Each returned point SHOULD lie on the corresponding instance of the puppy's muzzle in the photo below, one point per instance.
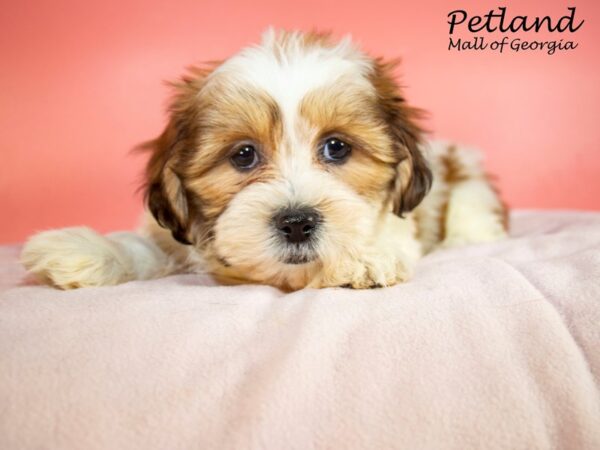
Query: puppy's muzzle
(297, 226)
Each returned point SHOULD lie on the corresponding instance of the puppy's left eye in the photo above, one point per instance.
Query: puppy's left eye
(335, 150)
(245, 157)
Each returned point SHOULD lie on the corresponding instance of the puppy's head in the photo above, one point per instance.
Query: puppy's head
(284, 157)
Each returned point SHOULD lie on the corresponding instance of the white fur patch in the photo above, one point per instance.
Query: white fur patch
(80, 257)
(287, 73)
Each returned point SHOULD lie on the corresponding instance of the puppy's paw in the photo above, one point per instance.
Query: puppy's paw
(367, 272)
(379, 272)
(76, 257)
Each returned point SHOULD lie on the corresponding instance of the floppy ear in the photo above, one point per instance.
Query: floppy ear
(413, 177)
(165, 193)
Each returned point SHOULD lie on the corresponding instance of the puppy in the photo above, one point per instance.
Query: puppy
(295, 163)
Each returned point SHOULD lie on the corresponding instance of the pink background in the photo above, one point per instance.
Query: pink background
(81, 84)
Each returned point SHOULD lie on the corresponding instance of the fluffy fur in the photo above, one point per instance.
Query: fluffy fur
(284, 97)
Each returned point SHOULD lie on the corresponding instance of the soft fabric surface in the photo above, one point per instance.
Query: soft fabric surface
(490, 346)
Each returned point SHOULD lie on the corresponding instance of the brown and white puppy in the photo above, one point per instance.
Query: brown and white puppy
(295, 163)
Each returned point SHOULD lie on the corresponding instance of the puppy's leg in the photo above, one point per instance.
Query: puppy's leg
(79, 257)
(474, 211)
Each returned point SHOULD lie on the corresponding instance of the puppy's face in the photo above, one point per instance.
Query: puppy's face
(284, 158)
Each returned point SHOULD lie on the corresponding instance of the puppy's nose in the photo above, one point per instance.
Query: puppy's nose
(297, 225)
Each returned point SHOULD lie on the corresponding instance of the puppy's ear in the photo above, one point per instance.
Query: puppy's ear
(413, 177)
(166, 193)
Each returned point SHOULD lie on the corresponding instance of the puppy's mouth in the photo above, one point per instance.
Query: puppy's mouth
(298, 254)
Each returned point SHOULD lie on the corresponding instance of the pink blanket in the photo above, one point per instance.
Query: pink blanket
(491, 346)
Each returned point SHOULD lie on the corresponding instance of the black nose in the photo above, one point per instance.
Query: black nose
(297, 225)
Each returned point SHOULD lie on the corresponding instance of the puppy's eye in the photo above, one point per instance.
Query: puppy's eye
(335, 150)
(245, 158)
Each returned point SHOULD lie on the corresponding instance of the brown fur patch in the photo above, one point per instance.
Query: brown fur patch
(413, 179)
(318, 39)
(286, 39)
(441, 231)
(189, 177)
(165, 193)
(231, 114)
(346, 111)
(503, 210)
(454, 172)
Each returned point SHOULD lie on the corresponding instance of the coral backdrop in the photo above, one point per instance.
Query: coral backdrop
(81, 84)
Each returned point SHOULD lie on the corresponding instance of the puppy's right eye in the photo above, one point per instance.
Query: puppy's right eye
(335, 150)
(245, 157)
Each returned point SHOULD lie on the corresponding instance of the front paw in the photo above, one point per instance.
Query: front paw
(365, 273)
(75, 257)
